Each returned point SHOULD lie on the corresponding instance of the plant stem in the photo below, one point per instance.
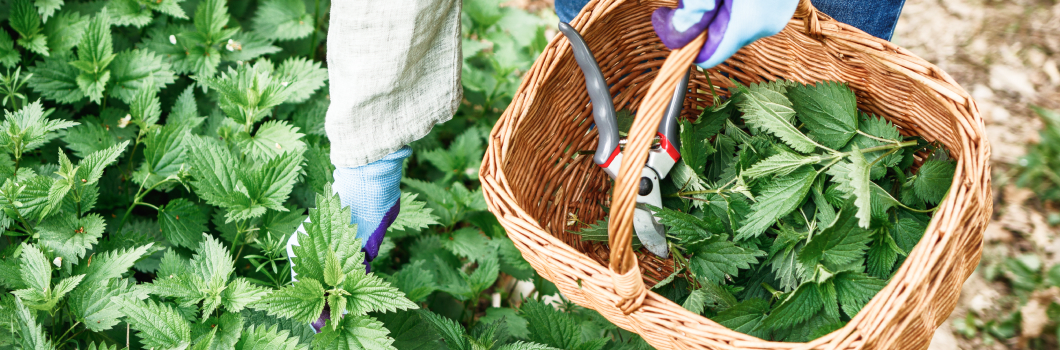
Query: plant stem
(61, 338)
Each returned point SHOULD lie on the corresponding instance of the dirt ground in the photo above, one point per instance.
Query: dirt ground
(1005, 53)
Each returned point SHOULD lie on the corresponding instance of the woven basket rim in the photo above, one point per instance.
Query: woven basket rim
(971, 184)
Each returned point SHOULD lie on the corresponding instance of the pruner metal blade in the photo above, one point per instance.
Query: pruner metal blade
(651, 233)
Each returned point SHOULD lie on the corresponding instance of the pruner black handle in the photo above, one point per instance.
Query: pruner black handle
(599, 94)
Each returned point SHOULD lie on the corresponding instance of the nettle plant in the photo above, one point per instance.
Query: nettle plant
(157, 155)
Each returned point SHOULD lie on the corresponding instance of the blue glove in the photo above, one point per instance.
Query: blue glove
(372, 193)
(730, 25)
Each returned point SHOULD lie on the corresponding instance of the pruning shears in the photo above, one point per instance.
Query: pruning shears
(664, 152)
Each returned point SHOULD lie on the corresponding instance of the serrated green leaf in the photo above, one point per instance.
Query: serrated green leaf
(69, 236)
(267, 338)
(302, 301)
(283, 20)
(129, 13)
(765, 107)
(415, 280)
(214, 171)
(135, 70)
(782, 195)
(688, 229)
(35, 270)
(554, 328)
(64, 31)
(90, 169)
(878, 128)
(37, 43)
(694, 148)
(91, 303)
(159, 325)
(56, 80)
(32, 334)
(933, 180)
(23, 18)
(852, 176)
(780, 164)
(354, 332)
(110, 264)
(47, 8)
(805, 302)
(745, 317)
(369, 293)
(9, 56)
(908, 231)
(839, 247)
(451, 332)
(829, 110)
(273, 138)
(855, 289)
(246, 46)
(303, 76)
(718, 258)
(218, 333)
(328, 228)
(183, 223)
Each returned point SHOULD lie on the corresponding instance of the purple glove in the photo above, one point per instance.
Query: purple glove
(730, 25)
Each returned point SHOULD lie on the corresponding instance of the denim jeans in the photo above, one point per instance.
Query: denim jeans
(876, 17)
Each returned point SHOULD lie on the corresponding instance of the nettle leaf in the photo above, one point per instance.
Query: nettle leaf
(410, 331)
(183, 223)
(95, 53)
(781, 195)
(37, 43)
(805, 302)
(269, 185)
(47, 7)
(262, 337)
(829, 110)
(69, 236)
(413, 216)
(9, 56)
(165, 154)
(273, 138)
(688, 229)
(214, 171)
(217, 333)
(855, 289)
(766, 108)
(694, 149)
(852, 177)
(328, 229)
(110, 264)
(90, 169)
(302, 301)
(718, 258)
(454, 335)
(24, 19)
(211, 17)
(248, 92)
(283, 20)
(745, 317)
(933, 180)
(91, 303)
(56, 80)
(780, 164)
(246, 46)
(136, 70)
(354, 332)
(878, 128)
(369, 293)
(415, 280)
(159, 325)
(555, 328)
(463, 156)
(302, 76)
(32, 336)
(129, 13)
(839, 247)
(64, 31)
(28, 128)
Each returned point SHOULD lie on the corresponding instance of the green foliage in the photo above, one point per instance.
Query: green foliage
(157, 156)
(790, 209)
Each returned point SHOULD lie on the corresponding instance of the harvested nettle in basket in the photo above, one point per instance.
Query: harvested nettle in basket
(790, 208)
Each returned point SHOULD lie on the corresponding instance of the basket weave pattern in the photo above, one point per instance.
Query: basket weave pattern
(534, 180)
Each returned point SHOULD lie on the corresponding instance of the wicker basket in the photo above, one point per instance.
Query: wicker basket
(534, 180)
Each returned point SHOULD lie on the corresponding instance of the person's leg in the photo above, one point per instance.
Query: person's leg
(876, 17)
(568, 9)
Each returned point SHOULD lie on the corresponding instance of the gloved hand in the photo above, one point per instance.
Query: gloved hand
(730, 25)
(371, 191)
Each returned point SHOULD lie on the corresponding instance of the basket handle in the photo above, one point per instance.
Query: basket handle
(626, 276)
